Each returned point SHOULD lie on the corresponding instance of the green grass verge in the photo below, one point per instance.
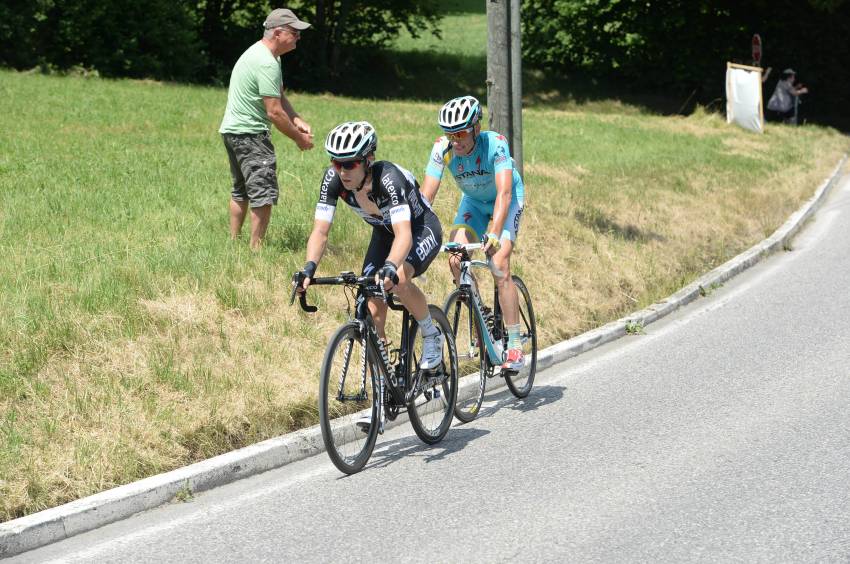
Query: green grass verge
(135, 337)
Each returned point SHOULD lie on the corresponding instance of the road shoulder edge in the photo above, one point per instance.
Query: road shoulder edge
(59, 523)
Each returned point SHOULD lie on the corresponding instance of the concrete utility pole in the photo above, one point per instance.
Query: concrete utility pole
(504, 73)
(516, 85)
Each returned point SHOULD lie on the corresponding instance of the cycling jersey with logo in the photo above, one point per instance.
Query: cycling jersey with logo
(395, 192)
(476, 173)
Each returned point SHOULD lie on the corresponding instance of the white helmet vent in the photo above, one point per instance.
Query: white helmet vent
(459, 113)
(351, 140)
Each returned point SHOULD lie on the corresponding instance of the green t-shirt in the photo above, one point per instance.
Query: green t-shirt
(256, 74)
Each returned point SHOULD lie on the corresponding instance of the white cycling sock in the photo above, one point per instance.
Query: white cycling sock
(514, 342)
(427, 326)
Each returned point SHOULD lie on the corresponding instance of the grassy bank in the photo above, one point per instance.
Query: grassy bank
(135, 337)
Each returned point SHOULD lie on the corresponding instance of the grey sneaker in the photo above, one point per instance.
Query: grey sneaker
(432, 351)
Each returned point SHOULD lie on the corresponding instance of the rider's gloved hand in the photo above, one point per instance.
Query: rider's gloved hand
(389, 270)
(491, 242)
(302, 278)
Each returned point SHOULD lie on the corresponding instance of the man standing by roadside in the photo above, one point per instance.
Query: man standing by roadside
(255, 100)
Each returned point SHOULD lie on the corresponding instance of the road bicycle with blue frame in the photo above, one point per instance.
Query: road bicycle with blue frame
(481, 336)
(363, 385)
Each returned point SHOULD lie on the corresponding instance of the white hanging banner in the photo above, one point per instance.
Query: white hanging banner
(743, 97)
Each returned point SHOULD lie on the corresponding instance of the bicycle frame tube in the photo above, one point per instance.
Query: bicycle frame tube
(374, 350)
(382, 359)
(467, 279)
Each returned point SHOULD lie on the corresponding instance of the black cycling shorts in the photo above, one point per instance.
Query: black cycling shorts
(427, 239)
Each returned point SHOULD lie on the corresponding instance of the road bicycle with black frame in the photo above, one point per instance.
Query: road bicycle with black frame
(363, 385)
(481, 336)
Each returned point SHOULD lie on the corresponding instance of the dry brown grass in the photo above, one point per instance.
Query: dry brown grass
(202, 378)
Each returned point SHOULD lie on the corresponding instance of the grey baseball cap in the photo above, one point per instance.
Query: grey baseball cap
(283, 17)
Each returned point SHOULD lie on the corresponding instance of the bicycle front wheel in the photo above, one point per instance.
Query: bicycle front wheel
(520, 382)
(432, 406)
(471, 355)
(348, 402)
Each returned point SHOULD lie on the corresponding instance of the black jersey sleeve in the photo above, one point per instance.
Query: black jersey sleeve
(328, 195)
(395, 191)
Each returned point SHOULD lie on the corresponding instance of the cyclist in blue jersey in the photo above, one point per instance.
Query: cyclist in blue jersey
(406, 234)
(492, 199)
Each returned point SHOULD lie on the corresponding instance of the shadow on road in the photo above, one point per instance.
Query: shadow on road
(456, 439)
(460, 435)
(539, 397)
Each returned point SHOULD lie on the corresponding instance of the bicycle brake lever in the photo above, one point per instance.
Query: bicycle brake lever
(383, 291)
(292, 295)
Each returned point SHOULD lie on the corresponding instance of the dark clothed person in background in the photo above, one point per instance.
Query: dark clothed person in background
(782, 102)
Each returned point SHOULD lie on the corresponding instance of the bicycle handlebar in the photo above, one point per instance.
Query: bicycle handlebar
(365, 283)
(463, 249)
(456, 247)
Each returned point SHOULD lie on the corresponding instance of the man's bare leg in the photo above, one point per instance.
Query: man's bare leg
(259, 223)
(238, 211)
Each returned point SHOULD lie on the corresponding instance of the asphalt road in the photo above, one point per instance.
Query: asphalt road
(722, 433)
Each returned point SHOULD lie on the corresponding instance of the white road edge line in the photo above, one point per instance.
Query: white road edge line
(59, 523)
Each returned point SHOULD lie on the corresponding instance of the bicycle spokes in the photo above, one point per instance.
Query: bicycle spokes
(347, 400)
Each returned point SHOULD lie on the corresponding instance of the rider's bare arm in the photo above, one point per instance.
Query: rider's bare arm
(316, 244)
(318, 240)
(430, 187)
(402, 243)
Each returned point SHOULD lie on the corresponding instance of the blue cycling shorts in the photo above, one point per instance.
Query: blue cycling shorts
(477, 215)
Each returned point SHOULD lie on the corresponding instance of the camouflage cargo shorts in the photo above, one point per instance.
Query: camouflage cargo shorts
(253, 167)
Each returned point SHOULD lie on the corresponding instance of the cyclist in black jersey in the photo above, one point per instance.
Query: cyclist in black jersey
(406, 234)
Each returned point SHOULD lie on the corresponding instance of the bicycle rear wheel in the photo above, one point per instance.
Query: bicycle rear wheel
(520, 382)
(471, 355)
(432, 406)
(348, 396)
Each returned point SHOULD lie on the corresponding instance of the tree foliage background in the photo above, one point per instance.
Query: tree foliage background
(678, 47)
(682, 46)
(199, 41)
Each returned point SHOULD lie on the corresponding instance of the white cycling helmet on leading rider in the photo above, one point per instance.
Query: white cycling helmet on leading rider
(351, 140)
(459, 113)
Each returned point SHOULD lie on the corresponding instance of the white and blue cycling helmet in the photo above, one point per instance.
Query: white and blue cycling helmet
(351, 140)
(459, 113)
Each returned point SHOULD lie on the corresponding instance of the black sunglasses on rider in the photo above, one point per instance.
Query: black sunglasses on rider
(347, 165)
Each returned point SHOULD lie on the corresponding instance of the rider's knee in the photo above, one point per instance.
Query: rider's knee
(404, 280)
(503, 265)
(403, 286)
